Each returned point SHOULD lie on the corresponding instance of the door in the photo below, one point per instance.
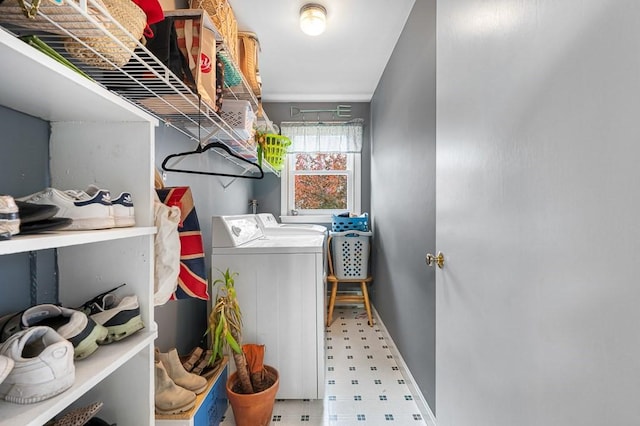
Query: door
(538, 212)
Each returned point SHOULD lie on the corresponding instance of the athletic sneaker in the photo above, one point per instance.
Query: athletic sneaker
(121, 317)
(43, 365)
(83, 332)
(123, 211)
(86, 211)
(6, 365)
(9, 216)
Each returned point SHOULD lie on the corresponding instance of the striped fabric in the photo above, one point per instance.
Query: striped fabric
(192, 280)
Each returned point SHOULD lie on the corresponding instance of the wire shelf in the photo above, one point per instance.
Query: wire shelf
(86, 35)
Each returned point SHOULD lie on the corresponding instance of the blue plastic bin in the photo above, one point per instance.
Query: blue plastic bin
(341, 224)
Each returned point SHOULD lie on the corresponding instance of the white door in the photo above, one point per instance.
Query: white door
(538, 212)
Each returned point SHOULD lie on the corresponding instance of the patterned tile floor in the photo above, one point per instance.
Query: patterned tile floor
(364, 385)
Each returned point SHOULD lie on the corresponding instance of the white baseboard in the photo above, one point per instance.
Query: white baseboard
(422, 404)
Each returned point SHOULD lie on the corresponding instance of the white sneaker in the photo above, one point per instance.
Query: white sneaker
(9, 216)
(43, 366)
(6, 365)
(123, 211)
(85, 211)
(83, 332)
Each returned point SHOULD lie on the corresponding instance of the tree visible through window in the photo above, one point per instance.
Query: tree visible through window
(316, 189)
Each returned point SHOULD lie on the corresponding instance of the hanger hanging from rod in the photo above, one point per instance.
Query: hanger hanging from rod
(200, 149)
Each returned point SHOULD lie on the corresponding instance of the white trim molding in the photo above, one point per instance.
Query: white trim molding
(422, 404)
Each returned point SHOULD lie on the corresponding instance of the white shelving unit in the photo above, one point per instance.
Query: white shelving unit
(95, 137)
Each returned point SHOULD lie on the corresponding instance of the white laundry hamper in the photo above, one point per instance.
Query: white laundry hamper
(350, 252)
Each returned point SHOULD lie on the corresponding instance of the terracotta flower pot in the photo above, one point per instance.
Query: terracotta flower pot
(253, 409)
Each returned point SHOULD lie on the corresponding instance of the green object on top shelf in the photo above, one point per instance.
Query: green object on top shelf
(232, 76)
(43, 47)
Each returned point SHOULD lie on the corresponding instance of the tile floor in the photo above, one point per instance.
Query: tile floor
(364, 385)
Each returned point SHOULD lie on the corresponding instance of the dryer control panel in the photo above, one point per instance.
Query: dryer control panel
(235, 230)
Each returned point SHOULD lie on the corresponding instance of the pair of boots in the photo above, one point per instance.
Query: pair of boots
(175, 388)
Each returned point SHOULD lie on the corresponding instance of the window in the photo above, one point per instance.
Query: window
(322, 173)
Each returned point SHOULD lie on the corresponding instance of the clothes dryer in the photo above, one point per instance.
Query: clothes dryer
(281, 291)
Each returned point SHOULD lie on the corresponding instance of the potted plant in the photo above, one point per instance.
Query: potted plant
(252, 388)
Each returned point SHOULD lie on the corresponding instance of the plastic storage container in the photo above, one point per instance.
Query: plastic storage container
(240, 116)
(340, 224)
(350, 253)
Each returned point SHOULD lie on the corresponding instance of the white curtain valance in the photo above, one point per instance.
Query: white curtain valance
(324, 137)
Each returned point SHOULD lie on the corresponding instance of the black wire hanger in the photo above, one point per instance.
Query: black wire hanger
(200, 149)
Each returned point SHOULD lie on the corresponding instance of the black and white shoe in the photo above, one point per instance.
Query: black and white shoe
(121, 316)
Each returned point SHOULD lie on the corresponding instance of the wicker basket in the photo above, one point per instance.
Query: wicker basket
(85, 40)
(225, 21)
(248, 48)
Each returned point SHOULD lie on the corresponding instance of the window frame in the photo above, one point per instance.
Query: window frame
(287, 194)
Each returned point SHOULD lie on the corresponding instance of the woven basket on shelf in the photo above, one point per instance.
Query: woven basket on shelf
(248, 48)
(223, 18)
(85, 40)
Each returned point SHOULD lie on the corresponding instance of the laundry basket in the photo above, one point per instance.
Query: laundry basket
(350, 254)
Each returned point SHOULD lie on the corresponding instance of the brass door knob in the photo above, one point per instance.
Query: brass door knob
(438, 259)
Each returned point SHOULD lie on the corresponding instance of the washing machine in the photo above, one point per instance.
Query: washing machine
(270, 226)
(281, 289)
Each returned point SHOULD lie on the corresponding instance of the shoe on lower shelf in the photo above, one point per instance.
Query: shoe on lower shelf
(86, 211)
(121, 316)
(191, 359)
(171, 362)
(83, 332)
(169, 397)
(78, 416)
(43, 365)
(6, 365)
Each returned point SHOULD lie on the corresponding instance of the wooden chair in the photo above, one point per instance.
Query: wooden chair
(363, 297)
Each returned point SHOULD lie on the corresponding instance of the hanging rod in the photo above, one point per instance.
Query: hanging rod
(343, 111)
(320, 123)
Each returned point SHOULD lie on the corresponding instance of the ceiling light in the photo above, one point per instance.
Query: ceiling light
(313, 19)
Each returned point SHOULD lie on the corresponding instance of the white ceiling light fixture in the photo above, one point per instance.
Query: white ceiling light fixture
(313, 19)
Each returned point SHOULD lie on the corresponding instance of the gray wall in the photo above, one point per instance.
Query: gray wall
(267, 191)
(403, 195)
(24, 169)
